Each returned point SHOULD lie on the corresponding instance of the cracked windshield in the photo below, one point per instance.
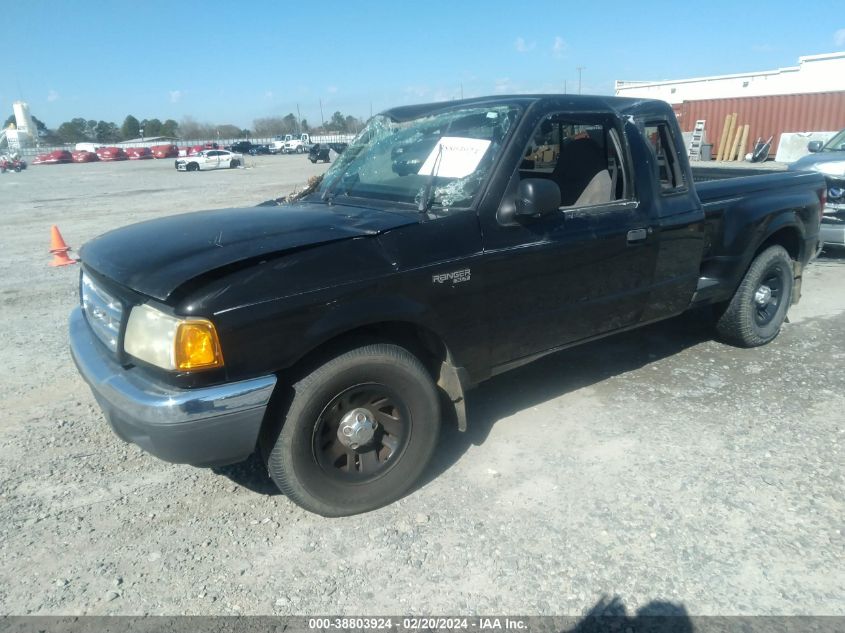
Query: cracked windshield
(439, 160)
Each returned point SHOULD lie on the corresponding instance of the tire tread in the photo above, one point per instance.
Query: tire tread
(735, 324)
(279, 462)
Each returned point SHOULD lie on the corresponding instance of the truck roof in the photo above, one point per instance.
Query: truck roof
(584, 103)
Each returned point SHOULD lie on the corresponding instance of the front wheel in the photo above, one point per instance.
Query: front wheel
(758, 308)
(299, 150)
(359, 432)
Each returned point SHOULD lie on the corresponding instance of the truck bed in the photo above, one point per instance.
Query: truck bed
(736, 204)
(713, 184)
(702, 173)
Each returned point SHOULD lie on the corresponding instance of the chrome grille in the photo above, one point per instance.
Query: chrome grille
(103, 312)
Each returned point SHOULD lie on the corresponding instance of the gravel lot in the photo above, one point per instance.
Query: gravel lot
(654, 465)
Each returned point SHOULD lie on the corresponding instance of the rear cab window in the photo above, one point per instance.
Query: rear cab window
(670, 175)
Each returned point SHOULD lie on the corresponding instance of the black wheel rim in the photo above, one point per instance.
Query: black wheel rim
(768, 297)
(371, 460)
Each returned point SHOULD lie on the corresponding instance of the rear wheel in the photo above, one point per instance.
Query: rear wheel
(234, 163)
(193, 167)
(758, 308)
(299, 150)
(359, 432)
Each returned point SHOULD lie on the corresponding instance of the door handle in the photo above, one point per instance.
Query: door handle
(637, 235)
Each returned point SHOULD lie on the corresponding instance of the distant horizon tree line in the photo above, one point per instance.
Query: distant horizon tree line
(80, 130)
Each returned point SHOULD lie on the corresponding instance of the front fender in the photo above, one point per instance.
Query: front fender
(358, 312)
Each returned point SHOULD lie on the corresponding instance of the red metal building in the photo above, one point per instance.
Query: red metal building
(766, 116)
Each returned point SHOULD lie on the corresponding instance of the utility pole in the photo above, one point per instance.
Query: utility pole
(322, 120)
(462, 90)
(298, 119)
(580, 68)
(564, 86)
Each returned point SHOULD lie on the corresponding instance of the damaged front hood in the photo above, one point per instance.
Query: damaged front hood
(157, 256)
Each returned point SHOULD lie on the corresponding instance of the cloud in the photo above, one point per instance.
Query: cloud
(417, 91)
(268, 94)
(559, 46)
(522, 46)
(839, 37)
(176, 96)
(331, 89)
(432, 93)
(52, 96)
(503, 85)
(445, 94)
(762, 48)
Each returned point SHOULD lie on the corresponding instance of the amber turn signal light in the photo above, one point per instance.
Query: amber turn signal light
(197, 346)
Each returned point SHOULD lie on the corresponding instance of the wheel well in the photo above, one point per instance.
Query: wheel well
(420, 341)
(787, 237)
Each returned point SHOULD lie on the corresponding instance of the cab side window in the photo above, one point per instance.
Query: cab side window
(669, 172)
(584, 158)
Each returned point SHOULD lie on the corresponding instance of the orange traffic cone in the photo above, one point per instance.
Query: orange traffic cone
(59, 249)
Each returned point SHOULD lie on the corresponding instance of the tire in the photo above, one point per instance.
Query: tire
(758, 308)
(310, 464)
(234, 163)
(192, 167)
(299, 150)
(313, 161)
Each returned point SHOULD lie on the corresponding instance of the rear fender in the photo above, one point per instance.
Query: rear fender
(747, 227)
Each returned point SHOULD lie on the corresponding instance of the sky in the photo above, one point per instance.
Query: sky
(234, 62)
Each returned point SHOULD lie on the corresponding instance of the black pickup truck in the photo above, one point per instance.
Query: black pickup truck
(448, 243)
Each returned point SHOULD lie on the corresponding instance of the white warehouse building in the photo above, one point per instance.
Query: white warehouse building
(814, 73)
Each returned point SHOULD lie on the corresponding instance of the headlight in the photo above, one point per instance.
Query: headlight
(833, 168)
(170, 342)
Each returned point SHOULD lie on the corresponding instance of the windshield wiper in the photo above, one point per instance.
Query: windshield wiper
(435, 167)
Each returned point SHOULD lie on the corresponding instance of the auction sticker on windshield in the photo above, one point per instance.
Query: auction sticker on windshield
(454, 157)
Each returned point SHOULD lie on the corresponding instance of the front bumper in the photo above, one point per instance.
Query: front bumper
(208, 426)
(833, 234)
(832, 229)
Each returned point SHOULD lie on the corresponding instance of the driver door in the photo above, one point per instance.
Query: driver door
(583, 270)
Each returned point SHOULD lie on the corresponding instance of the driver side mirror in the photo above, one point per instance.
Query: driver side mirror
(814, 146)
(537, 197)
(534, 198)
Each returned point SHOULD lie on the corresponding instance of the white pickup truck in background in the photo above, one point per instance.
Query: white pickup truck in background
(293, 144)
(290, 144)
